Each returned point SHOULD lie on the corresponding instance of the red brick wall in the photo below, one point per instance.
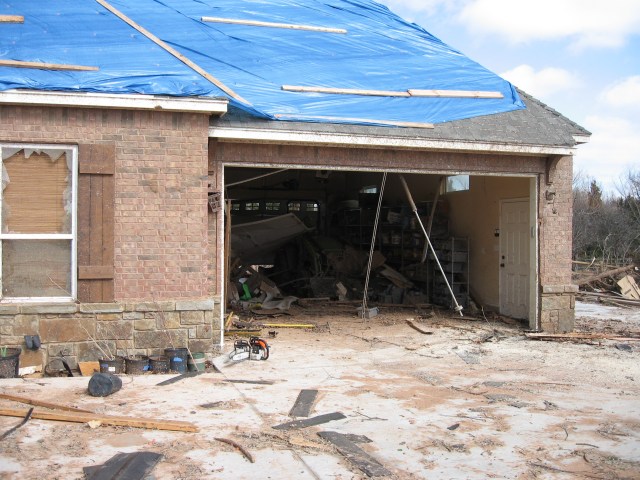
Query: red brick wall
(161, 235)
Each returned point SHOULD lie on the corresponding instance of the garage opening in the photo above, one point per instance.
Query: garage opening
(301, 235)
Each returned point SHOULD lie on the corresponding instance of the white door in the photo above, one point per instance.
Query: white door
(514, 258)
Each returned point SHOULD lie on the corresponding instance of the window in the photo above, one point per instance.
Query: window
(456, 183)
(312, 207)
(294, 207)
(38, 222)
(272, 206)
(252, 206)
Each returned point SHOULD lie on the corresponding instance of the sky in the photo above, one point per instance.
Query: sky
(580, 57)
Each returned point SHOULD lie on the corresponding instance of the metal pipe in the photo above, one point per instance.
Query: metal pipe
(457, 308)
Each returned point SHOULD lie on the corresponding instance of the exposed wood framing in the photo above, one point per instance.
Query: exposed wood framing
(46, 66)
(394, 93)
(173, 52)
(285, 116)
(256, 23)
(11, 19)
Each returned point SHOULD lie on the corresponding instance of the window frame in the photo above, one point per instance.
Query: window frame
(446, 184)
(72, 236)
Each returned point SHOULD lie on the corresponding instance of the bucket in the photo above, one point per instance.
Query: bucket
(137, 364)
(104, 384)
(112, 366)
(196, 364)
(177, 359)
(159, 364)
(9, 362)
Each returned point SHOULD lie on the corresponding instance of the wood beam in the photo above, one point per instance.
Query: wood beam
(255, 23)
(11, 19)
(173, 52)
(46, 66)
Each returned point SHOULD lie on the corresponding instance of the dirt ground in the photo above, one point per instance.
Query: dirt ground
(473, 398)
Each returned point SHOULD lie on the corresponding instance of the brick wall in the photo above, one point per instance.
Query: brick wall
(161, 245)
(162, 261)
(557, 295)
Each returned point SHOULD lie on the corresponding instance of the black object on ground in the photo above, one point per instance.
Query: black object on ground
(124, 466)
(357, 456)
(13, 429)
(104, 384)
(177, 378)
(304, 403)
(310, 422)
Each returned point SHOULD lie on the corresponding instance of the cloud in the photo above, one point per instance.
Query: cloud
(541, 83)
(586, 22)
(624, 94)
(613, 150)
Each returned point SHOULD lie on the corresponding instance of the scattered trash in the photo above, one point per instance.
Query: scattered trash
(304, 403)
(310, 422)
(361, 459)
(124, 466)
(453, 427)
(13, 429)
(244, 451)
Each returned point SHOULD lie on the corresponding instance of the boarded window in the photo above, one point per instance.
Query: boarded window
(37, 235)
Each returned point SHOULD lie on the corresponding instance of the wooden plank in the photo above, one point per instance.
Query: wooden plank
(454, 93)
(81, 417)
(310, 422)
(47, 66)
(345, 91)
(172, 51)
(256, 23)
(11, 19)
(304, 403)
(629, 288)
(108, 231)
(579, 336)
(285, 116)
(97, 158)
(41, 403)
(95, 237)
(418, 329)
(84, 231)
(361, 459)
(95, 272)
(608, 273)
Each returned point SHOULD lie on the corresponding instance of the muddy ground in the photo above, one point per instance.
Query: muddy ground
(473, 398)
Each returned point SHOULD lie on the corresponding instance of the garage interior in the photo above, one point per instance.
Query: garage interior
(307, 234)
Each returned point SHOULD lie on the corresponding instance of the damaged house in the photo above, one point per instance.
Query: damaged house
(165, 162)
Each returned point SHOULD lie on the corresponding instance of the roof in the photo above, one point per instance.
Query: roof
(240, 49)
(538, 129)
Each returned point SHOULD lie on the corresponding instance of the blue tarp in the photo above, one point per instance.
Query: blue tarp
(380, 51)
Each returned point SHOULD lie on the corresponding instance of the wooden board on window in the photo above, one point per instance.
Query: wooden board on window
(96, 191)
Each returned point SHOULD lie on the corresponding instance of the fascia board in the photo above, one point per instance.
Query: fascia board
(211, 106)
(389, 142)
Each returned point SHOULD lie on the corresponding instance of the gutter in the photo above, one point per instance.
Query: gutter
(264, 135)
(212, 106)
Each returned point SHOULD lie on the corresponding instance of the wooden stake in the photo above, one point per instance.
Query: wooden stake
(46, 66)
(11, 19)
(41, 403)
(172, 51)
(455, 93)
(255, 23)
(344, 91)
(79, 417)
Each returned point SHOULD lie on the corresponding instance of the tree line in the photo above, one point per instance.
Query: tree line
(606, 227)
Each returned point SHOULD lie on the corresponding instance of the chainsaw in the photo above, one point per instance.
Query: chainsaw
(255, 349)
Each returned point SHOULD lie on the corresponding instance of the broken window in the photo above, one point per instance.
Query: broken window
(37, 222)
(456, 183)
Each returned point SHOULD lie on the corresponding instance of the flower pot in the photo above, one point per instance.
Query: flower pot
(196, 362)
(115, 365)
(159, 364)
(136, 364)
(10, 363)
(177, 359)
